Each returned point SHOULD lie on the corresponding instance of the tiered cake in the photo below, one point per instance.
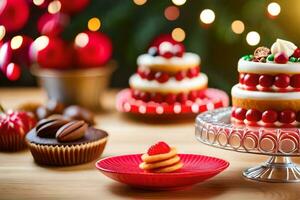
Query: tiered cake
(168, 74)
(268, 92)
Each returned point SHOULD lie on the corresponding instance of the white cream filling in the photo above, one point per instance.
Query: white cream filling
(186, 59)
(172, 84)
(268, 68)
(237, 92)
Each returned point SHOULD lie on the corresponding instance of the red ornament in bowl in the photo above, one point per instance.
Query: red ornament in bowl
(93, 49)
(52, 24)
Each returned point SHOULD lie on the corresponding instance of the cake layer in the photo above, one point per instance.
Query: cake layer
(174, 64)
(171, 86)
(272, 68)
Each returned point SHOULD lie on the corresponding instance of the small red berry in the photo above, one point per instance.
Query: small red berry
(253, 115)
(241, 78)
(182, 97)
(193, 95)
(136, 94)
(171, 98)
(251, 80)
(157, 97)
(297, 53)
(295, 81)
(266, 80)
(167, 54)
(240, 113)
(192, 72)
(281, 58)
(282, 81)
(150, 75)
(159, 148)
(287, 116)
(269, 116)
(141, 74)
(161, 77)
(180, 75)
(145, 96)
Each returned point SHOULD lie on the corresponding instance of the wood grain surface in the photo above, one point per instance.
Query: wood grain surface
(21, 178)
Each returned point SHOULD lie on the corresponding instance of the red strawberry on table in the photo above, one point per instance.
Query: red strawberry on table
(159, 148)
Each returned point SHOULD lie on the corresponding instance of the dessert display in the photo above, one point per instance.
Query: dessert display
(13, 129)
(169, 81)
(161, 158)
(63, 142)
(268, 92)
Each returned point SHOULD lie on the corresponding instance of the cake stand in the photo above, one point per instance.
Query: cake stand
(214, 128)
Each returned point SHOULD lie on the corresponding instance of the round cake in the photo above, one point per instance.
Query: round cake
(168, 74)
(268, 92)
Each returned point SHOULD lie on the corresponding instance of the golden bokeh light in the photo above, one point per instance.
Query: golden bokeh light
(171, 13)
(253, 38)
(38, 2)
(54, 7)
(139, 2)
(207, 16)
(238, 27)
(16, 42)
(41, 42)
(179, 2)
(94, 24)
(2, 32)
(81, 40)
(274, 9)
(178, 34)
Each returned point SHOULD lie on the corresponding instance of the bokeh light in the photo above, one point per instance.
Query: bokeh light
(139, 2)
(2, 32)
(238, 27)
(207, 16)
(16, 42)
(40, 43)
(81, 40)
(38, 2)
(179, 2)
(54, 7)
(253, 38)
(178, 34)
(171, 13)
(274, 9)
(94, 24)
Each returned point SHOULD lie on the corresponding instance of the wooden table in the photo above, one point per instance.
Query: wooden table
(21, 178)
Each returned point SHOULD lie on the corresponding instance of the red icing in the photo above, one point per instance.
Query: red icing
(159, 148)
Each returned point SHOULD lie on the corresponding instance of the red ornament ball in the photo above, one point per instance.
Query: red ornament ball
(281, 58)
(52, 24)
(251, 80)
(240, 113)
(13, 14)
(13, 71)
(73, 6)
(266, 80)
(282, 81)
(253, 115)
(93, 49)
(51, 53)
(287, 116)
(269, 116)
(295, 81)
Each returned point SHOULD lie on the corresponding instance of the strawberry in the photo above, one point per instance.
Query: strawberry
(159, 148)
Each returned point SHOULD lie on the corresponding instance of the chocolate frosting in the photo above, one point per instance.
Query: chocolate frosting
(91, 135)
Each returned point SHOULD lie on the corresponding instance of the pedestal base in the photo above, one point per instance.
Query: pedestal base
(278, 169)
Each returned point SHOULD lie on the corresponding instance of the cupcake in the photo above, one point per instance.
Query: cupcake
(161, 158)
(13, 128)
(63, 142)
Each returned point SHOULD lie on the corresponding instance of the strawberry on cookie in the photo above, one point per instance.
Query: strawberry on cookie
(161, 158)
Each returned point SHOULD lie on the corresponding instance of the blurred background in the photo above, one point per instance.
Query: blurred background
(220, 31)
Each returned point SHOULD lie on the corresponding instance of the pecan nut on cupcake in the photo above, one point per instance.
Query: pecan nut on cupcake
(161, 158)
(64, 142)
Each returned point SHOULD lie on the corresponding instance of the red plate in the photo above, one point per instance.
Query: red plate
(213, 99)
(125, 169)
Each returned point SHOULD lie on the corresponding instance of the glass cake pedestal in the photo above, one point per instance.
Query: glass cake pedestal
(214, 128)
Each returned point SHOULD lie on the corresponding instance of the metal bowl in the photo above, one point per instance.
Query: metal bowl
(79, 86)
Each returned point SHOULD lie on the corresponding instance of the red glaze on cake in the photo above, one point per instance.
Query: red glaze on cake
(268, 92)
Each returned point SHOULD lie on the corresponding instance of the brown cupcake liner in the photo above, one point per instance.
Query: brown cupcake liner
(67, 154)
(12, 142)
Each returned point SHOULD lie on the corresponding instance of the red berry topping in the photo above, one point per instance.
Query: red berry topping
(171, 98)
(159, 148)
(182, 97)
(297, 53)
(269, 116)
(240, 113)
(282, 81)
(141, 74)
(281, 58)
(253, 115)
(136, 94)
(144, 96)
(150, 75)
(251, 80)
(157, 97)
(241, 78)
(266, 80)
(180, 75)
(193, 72)
(167, 54)
(287, 116)
(295, 81)
(193, 95)
(161, 77)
